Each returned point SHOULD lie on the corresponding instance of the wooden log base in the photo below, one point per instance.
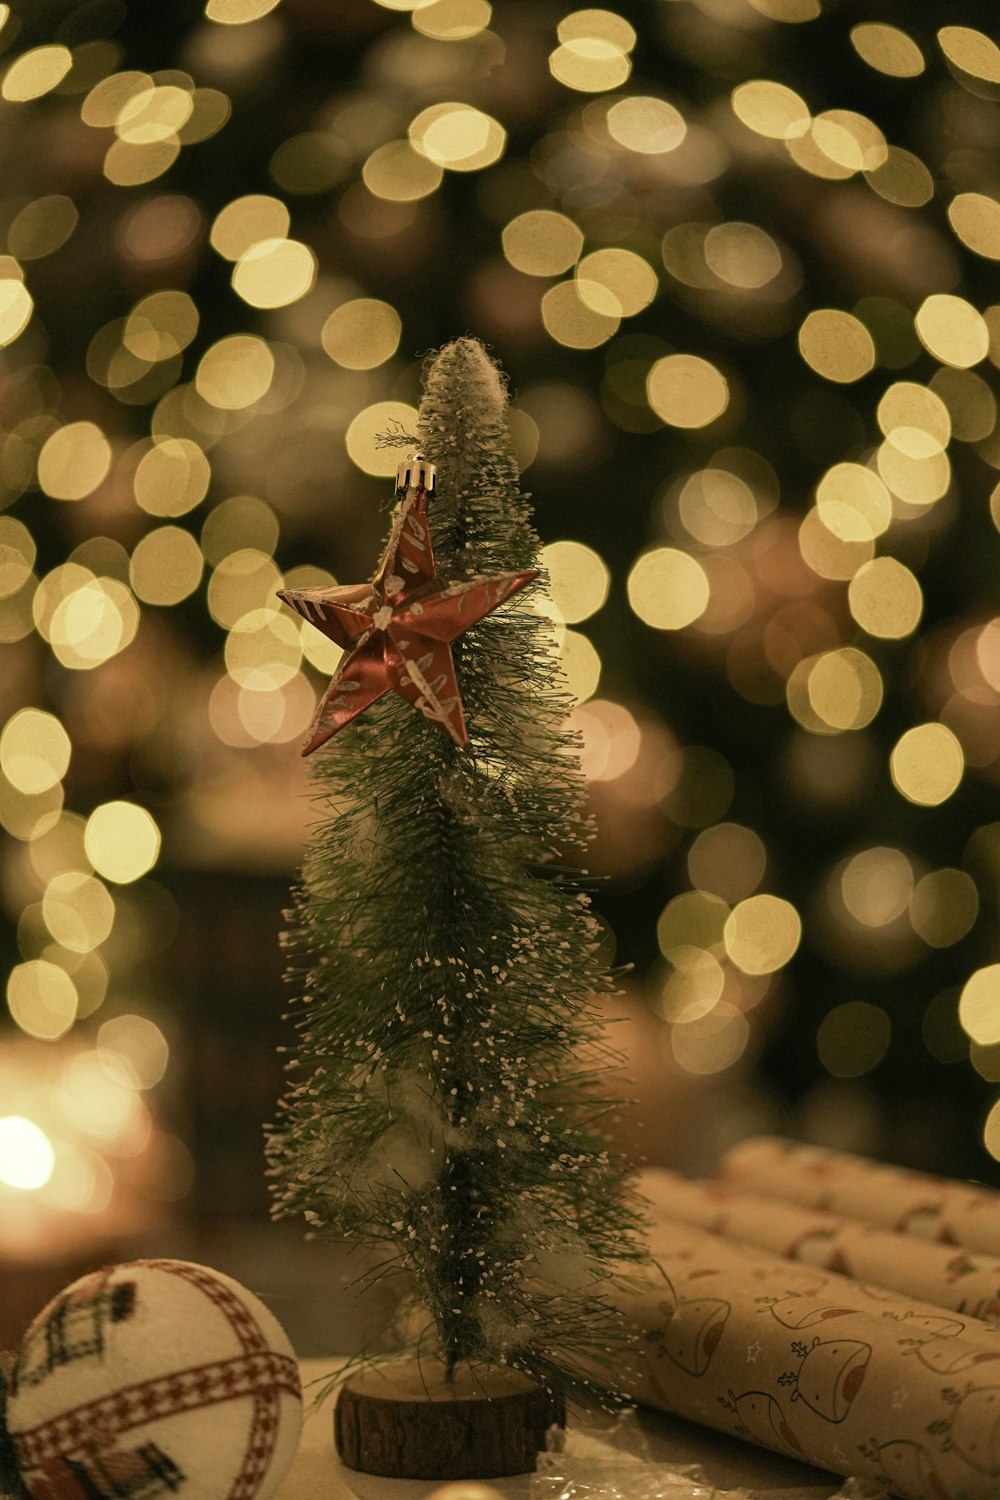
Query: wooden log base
(405, 1421)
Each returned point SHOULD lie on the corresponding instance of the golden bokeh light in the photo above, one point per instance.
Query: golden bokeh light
(139, 1044)
(712, 1042)
(971, 51)
(78, 911)
(914, 419)
(717, 507)
(611, 739)
(835, 691)
(927, 764)
(160, 326)
(399, 173)
(34, 751)
(771, 109)
(542, 242)
(92, 623)
(836, 345)
(275, 272)
(452, 20)
(35, 73)
(458, 137)
(42, 999)
(645, 124)
(728, 860)
(263, 650)
(887, 49)
(590, 64)
(944, 907)
(581, 664)
(42, 226)
(364, 429)
(902, 179)
(742, 255)
(122, 841)
(579, 323)
(362, 334)
(153, 115)
(27, 1157)
(127, 164)
(853, 503)
(243, 581)
(246, 521)
(971, 404)
(849, 140)
(166, 566)
(876, 885)
(693, 986)
(694, 920)
(74, 461)
(886, 599)
(952, 330)
(918, 481)
(826, 552)
(668, 589)
(16, 307)
(685, 390)
(578, 579)
(233, 374)
(853, 1038)
(979, 1006)
(238, 12)
(991, 1131)
(246, 221)
(975, 218)
(762, 933)
(629, 280)
(172, 477)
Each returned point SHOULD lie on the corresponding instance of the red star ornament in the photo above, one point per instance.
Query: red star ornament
(397, 630)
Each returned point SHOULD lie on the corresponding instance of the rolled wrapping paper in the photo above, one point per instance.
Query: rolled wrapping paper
(742, 1342)
(948, 1277)
(911, 1203)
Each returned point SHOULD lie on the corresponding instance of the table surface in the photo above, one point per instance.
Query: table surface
(317, 1473)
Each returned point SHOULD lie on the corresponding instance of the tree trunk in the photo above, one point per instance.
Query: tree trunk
(404, 1420)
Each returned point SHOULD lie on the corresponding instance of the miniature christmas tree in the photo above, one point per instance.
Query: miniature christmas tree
(448, 1102)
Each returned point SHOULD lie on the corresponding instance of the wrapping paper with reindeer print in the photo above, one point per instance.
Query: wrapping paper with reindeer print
(946, 1275)
(907, 1203)
(817, 1367)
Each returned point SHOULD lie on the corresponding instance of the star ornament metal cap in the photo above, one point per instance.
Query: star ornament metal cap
(397, 630)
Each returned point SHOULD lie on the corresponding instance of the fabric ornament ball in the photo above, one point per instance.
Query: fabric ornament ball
(150, 1379)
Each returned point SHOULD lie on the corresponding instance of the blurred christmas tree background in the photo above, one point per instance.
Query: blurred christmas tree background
(738, 257)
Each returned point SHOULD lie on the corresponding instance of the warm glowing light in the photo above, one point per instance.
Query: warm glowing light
(458, 137)
(944, 907)
(979, 1006)
(886, 599)
(238, 12)
(630, 280)
(263, 650)
(971, 51)
(139, 1044)
(991, 1131)
(399, 173)
(914, 419)
(234, 373)
(648, 125)
(35, 73)
(902, 178)
(74, 461)
(717, 507)
(42, 999)
(771, 109)
(452, 20)
(26, 1154)
(952, 330)
(590, 64)
(166, 566)
(172, 477)
(853, 503)
(927, 764)
(78, 911)
(360, 438)
(853, 1038)
(42, 226)
(668, 589)
(611, 739)
(34, 751)
(581, 664)
(712, 1042)
(122, 841)
(742, 255)
(918, 481)
(274, 273)
(362, 334)
(578, 579)
(826, 551)
(975, 218)
(154, 115)
(542, 243)
(836, 345)
(692, 920)
(246, 222)
(835, 691)
(243, 581)
(580, 323)
(92, 623)
(876, 885)
(160, 326)
(762, 933)
(887, 49)
(244, 521)
(728, 860)
(685, 390)
(16, 308)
